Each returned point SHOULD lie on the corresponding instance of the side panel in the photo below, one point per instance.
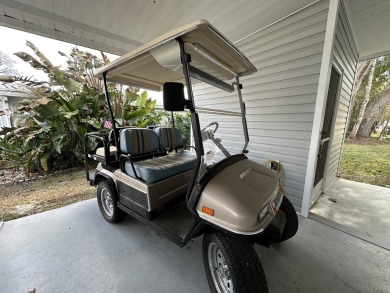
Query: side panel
(346, 55)
(131, 197)
(154, 196)
(280, 98)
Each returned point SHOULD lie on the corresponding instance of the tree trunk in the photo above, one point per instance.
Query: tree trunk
(365, 102)
(384, 130)
(373, 112)
(361, 71)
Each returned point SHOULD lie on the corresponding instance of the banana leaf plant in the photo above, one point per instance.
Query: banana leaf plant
(50, 130)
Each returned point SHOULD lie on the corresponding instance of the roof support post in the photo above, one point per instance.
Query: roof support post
(118, 152)
(243, 114)
(185, 60)
(195, 125)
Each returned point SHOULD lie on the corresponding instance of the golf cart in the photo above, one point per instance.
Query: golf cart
(209, 189)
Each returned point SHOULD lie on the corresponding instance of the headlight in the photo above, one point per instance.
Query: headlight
(272, 207)
(275, 203)
(263, 212)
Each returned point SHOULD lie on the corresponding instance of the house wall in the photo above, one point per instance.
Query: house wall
(345, 53)
(9, 103)
(280, 98)
(4, 119)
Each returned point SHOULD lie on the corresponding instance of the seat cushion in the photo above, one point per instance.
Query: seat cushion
(156, 169)
(100, 151)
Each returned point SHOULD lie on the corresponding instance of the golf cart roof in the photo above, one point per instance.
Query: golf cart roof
(158, 61)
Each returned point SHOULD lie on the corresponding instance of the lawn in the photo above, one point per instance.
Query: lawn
(46, 193)
(367, 161)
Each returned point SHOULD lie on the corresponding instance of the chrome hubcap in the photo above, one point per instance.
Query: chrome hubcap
(219, 270)
(107, 203)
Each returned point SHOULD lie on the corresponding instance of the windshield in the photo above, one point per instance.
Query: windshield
(220, 123)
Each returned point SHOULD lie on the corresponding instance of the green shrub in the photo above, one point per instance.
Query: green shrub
(52, 125)
(183, 122)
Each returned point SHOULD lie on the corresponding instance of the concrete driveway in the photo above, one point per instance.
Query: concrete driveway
(356, 208)
(72, 249)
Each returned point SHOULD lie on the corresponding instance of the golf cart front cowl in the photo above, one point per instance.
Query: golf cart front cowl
(237, 195)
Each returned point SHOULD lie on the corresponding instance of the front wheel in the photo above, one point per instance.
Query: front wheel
(232, 265)
(108, 204)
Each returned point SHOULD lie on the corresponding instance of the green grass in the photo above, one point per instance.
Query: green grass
(366, 161)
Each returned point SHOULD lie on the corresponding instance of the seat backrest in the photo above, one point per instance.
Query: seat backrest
(118, 130)
(169, 137)
(136, 141)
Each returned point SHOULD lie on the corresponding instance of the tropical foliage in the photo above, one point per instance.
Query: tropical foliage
(50, 130)
(183, 122)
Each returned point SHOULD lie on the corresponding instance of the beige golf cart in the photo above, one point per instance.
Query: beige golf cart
(210, 188)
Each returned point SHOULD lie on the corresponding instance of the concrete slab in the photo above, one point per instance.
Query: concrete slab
(72, 249)
(360, 209)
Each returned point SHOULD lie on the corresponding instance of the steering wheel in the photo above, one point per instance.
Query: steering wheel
(209, 130)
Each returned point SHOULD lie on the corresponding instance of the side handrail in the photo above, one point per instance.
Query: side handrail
(122, 159)
(103, 138)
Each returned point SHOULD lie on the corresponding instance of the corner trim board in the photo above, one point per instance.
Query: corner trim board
(326, 66)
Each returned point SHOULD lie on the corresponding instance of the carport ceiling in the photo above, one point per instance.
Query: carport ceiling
(370, 22)
(117, 26)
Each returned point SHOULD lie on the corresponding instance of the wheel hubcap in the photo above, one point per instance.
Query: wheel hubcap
(219, 270)
(107, 202)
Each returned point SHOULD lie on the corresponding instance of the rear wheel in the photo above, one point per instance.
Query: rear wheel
(232, 265)
(291, 226)
(108, 204)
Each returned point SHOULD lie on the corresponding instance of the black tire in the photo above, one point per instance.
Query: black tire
(291, 226)
(236, 260)
(109, 207)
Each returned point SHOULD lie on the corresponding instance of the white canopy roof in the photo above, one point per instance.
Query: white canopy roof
(158, 61)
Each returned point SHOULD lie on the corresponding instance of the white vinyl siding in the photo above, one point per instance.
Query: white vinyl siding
(10, 102)
(280, 98)
(4, 119)
(346, 54)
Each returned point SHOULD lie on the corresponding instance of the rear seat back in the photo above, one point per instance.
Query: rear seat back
(136, 141)
(118, 130)
(169, 137)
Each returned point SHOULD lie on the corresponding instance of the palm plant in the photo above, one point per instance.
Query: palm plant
(51, 130)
